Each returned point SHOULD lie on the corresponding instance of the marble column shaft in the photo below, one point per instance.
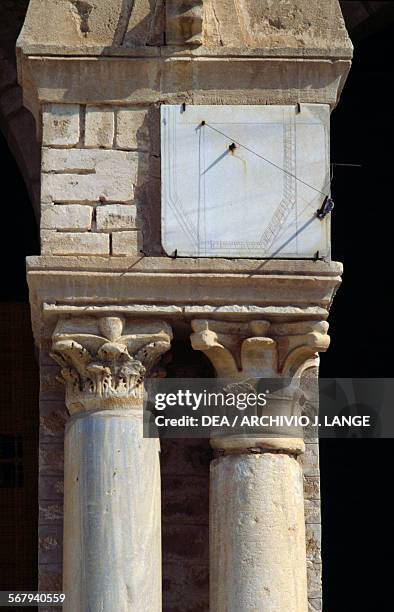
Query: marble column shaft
(257, 523)
(112, 507)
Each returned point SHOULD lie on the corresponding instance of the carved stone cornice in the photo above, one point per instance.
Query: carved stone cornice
(104, 360)
(179, 289)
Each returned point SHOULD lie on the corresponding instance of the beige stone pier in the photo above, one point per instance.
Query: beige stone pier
(106, 293)
(112, 527)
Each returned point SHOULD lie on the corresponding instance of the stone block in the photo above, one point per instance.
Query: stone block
(67, 217)
(185, 500)
(50, 512)
(99, 127)
(186, 581)
(53, 418)
(51, 458)
(132, 130)
(174, 542)
(315, 605)
(126, 243)
(61, 125)
(50, 386)
(312, 511)
(314, 574)
(90, 175)
(50, 578)
(50, 488)
(312, 487)
(50, 540)
(116, 217)
(313, 542)
(61, 243)
(310, 460)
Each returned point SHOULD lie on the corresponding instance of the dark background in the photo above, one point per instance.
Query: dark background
(357, 517)
(357, 513)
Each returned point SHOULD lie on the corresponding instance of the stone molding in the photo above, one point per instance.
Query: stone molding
(178, 290)
(104, 360)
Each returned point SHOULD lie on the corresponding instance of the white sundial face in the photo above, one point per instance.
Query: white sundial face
(245, 181)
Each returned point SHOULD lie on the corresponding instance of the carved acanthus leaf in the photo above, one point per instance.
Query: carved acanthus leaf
(109, 368)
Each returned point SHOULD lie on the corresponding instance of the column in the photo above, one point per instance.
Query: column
(257, 524)
(112, 516)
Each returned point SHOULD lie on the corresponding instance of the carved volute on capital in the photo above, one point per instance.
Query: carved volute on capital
(245, 353)
(260, 349)
(104, 360)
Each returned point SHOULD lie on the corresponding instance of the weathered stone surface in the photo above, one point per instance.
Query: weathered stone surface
(312, 487)
(60, 125)
(184, 22)
(126, 243)
(90, 175)
(99, 127)
(185, 500)
(183, 282)
(312, 511)
(50, 578)
(315, 605)
(114, 25)
(104, 360)
(257, 515)
(50, 488)
(66, 217)
(313, 542)
(310, 460)
(112, 473)
(242, 352)
(132, 129)
(318, 271)
(314, 573)
(53, 417)
(51, 459)
(64, 243)
(51, 513)
(197, 80)
(112, 480)
(114, 217)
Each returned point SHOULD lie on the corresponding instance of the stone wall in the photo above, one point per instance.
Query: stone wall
(100, 173)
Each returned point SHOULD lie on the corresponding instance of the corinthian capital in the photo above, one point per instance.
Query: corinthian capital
(104, 360)
(259, 349)
(246, 352)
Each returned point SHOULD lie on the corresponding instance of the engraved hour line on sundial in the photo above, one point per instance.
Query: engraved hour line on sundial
(173, 199)
(289, 199)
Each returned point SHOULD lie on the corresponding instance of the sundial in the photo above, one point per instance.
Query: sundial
(245, 181)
